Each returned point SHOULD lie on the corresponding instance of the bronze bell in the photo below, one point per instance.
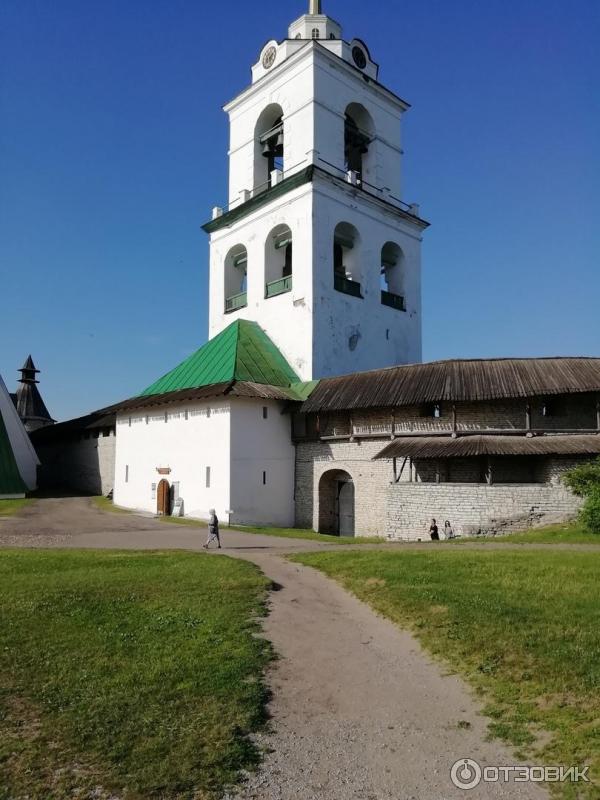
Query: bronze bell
(267, 150)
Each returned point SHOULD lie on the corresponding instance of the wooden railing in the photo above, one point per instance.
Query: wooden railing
(279, 286)
(235, 302)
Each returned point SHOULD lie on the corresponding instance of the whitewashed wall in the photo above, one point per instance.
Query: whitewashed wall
(383, 336)
(232, 438)
(287, 318)
(186, 446)
(261, 446)
(314, 87)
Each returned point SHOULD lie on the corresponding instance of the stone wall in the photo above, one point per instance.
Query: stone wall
(371, 480)
(526, 490)
(85, 465)
(474, 508)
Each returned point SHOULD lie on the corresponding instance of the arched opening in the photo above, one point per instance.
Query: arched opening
(278, 261)
(336, 503)
(236, 278)
(392, 276)
(359, 132)
(163, 499)
(346, 259)
(315, 33)
(268, 147)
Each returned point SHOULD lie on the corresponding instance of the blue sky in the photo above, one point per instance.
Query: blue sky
(113, 151)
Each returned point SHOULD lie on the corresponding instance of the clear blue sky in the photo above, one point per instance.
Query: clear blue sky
(113, 151)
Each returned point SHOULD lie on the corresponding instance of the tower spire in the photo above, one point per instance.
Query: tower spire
(314, 7)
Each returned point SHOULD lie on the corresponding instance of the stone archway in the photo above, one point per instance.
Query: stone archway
(336, 503)
(163, 498)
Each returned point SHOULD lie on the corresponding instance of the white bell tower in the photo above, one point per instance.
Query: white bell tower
(316, 244)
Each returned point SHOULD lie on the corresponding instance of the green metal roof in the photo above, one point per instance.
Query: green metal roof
(11, 481)
(242, 352)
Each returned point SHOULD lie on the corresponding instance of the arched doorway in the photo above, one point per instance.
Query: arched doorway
(336, 503)
(163, 499)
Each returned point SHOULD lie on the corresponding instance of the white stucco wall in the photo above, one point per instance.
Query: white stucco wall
(287, 318)
(261, 446)
(232, 438)
(384, 336)
(314, 88)
(186, 446)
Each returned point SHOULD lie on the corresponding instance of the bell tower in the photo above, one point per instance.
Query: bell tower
(316, 243)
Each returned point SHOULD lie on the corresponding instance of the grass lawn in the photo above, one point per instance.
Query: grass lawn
(10, 507)
(104, 504)
(139, 673)
(284, 533)
(522, 626)
(572, 533)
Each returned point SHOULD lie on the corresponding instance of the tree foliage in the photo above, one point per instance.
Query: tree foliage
(584, 481)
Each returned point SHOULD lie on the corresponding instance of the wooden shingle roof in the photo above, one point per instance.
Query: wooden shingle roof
(455, 381)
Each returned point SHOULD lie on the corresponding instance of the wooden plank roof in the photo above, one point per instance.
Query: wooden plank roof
(490, 445)
(455, 380)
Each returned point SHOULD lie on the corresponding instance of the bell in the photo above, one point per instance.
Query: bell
(267, 151)
(279, 141)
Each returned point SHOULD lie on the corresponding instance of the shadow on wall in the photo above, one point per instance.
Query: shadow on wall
(81, 466)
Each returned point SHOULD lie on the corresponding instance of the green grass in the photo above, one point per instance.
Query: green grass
(139, 673)
(10, 507)
(522, 626)
(572, 533)
(283, 533)
(104, 504)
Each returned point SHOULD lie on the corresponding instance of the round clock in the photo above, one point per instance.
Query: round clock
(359, 57)
(269, 57)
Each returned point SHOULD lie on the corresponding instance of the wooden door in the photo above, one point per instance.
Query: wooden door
(346, 508)
(163, 498)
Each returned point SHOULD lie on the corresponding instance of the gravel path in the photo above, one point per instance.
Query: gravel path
(358, 710)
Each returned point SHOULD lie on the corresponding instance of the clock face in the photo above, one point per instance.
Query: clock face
(269, 58)
(359, 57)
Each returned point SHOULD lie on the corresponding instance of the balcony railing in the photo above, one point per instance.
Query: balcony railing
(235, 302)
(342, 284)
(393, 300)
(279, 286)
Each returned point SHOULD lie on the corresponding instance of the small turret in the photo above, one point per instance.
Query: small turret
(28, 400)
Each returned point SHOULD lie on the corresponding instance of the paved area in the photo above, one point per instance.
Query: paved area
(358, 709)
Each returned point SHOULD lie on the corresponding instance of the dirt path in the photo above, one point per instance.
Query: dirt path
(358, 710)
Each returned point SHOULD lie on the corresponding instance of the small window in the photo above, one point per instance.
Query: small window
(208, 477)
(265, 412)
(154, 491)
(130, 422)
(264, 478)
(432, 410)
(315, 33)
(126, 473)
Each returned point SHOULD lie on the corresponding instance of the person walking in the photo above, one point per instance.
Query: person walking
(213, 530)
(448, 530)
(433, 531)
